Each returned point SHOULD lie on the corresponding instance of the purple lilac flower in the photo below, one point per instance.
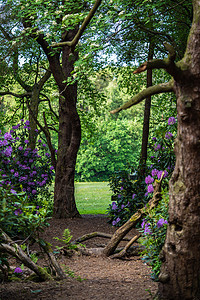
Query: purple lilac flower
(18, 212)
(149, 179)
(39, 141)
(119, 196)
(121, 188)
(122, 206)
(154, 138)
(17, 138)
(114, 223)
(34, 192)
(51, 168)
(168, 135)
(114, 206)
(8, 151)
(20, 148)
(165, 173)
(159, 174)
(27, 123)
(36, 130)
(8, 136)
(133, 196)
(12, 171)
(16, 126)
(2, 143)
(171, 121)
(118, 220)
(16, 174)
(26, 141)
(146, 227)
(13, 192)
(157, 147)
(44, 145)
(150, 188)
(152, 157)
(18, 270)
(47, 154)
(161, 222)
(154, 172)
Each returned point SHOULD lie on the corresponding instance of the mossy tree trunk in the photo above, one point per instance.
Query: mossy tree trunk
(180, 273)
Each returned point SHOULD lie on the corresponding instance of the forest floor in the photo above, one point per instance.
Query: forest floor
(102, 278)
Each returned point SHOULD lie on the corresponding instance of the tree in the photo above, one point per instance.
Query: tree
(179, 277)
(40, 21)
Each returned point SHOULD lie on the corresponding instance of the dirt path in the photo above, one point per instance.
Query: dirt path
(104, 278)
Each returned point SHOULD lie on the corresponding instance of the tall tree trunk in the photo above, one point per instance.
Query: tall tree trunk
(180, 272)
(33, 114)
(69, 138)
(147, 112)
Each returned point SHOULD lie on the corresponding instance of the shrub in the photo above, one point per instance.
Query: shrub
(153, 230)
(19, 219)
(25, 168)
(128, 195)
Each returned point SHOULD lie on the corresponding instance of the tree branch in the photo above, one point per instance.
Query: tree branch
(2, 93)
(87, 20)
(167, 63)
(150, 91)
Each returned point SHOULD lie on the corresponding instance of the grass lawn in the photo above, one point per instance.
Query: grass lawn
(92, 197)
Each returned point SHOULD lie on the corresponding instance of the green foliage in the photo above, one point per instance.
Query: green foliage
(115, 146)
(128, 196)
(20, 220)
(66, 240)
(153, 234)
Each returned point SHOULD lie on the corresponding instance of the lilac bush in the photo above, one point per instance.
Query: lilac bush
(24, 168)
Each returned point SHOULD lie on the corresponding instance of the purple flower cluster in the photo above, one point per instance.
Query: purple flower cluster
(161, 222)
(146, 227)
(171, 121)
(114, 222)
(22, 166)
(168, 135)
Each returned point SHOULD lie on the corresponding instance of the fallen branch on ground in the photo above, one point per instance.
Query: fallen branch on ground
(121, 232)
(91, 235)
(7, 245)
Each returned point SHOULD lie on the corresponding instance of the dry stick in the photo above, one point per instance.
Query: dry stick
(123, 252)
(124, 229)
(91, 235)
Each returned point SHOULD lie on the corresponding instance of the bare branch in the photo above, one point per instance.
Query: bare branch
(150, 91)
(87, 20)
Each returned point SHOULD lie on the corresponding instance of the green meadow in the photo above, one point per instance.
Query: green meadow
(92, 197)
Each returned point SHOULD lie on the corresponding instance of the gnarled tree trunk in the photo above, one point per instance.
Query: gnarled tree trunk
(180, 272)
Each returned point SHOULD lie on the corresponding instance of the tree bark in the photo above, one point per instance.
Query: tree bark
(69, 138)
(180, 272)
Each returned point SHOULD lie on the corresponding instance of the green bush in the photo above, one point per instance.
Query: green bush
(128, 196)
(19, 219)
(153, 229)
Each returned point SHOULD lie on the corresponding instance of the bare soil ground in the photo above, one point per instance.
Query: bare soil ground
(104, 278)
